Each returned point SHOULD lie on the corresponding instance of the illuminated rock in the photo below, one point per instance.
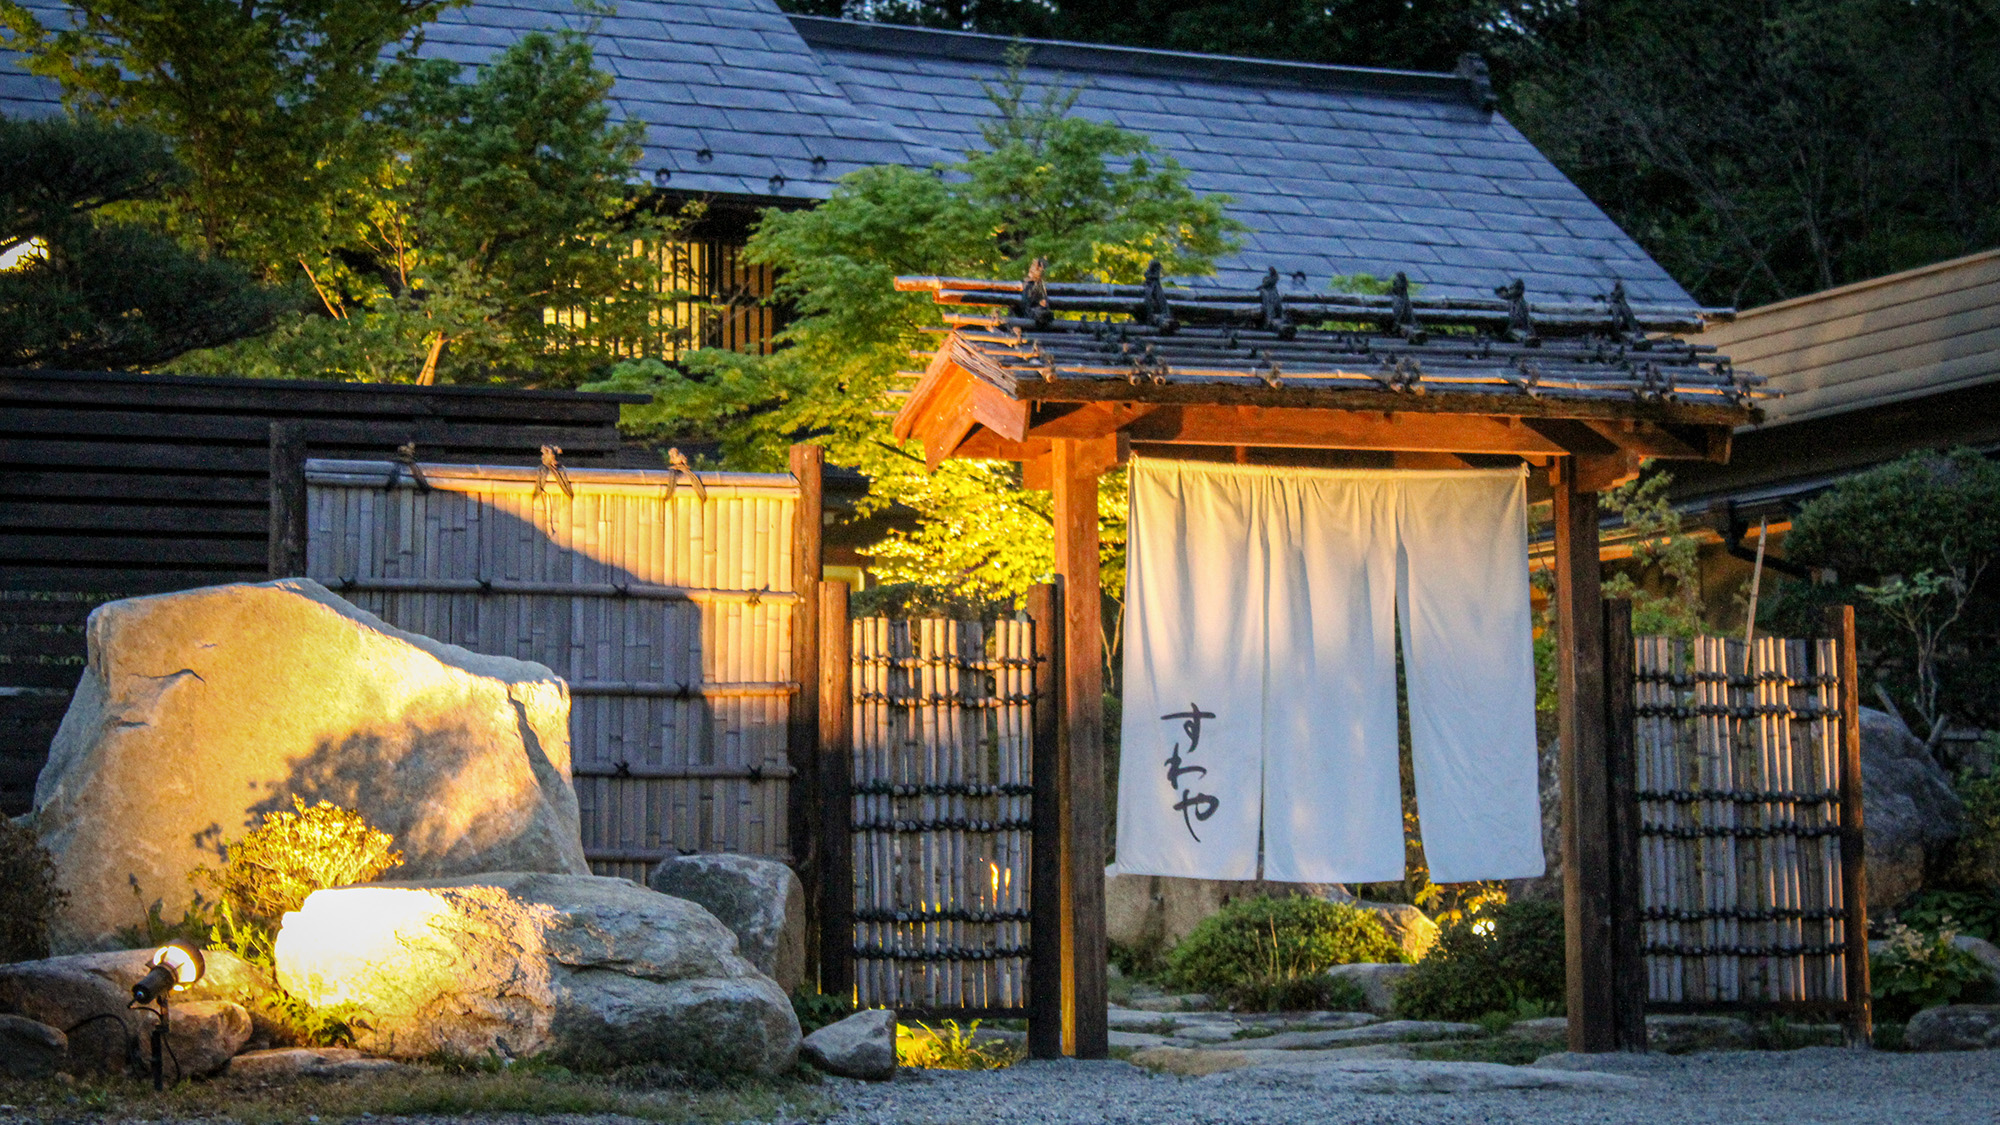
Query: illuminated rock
(204, 1035)
(587, 971)
(203, 709)
(759, 899)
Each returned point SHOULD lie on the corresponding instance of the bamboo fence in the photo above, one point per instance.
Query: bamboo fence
(942, 789)
(1739, 778)
(667, 609)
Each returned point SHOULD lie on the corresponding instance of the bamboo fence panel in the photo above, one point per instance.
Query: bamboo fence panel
(942, 785)
(668, 613)
(1737, 758)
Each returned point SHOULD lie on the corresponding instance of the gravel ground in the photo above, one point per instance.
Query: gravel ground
(1815, 1086)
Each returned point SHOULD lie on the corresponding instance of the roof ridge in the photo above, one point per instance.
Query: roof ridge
(883, 38)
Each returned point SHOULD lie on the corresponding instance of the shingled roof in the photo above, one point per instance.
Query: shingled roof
(1028, 363)
(1337, 170)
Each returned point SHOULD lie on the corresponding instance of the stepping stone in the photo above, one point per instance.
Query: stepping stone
(1193, 1001)
(286, 1063)
(1130, 1019)
(1401, 1076)
(1406, 1030)
(1208, 1032)
(1137, 1040)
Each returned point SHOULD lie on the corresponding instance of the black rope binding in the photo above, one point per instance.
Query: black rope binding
(1741, 796)
(949, 914)
(941, 789)
(1813, 950)
(1740, 914)
(944, 953)
(941, 824)
(1731, 831)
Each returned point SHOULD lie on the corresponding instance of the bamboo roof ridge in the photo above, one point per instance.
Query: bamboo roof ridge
(1160, 337)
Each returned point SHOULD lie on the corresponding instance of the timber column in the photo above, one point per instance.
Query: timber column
(1586, 813)
(1075, 466)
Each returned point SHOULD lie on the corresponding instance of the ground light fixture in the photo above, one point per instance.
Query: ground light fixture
(172, 968)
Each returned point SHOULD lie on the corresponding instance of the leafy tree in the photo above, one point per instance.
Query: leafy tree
(1912, 539)
(1768, 149)
(1093, 200)
(498, 198)
(92, 292)
(266, 104)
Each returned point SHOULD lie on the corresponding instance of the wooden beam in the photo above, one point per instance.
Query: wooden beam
(834, 879)
(803, 725)
(1628, 960)
(1087, 420)
(287, 528)
(1292, 427)
(1572, 435)
(1045, 881)
(1602, 474)
(1679, 443)
(1098, 457)
(1853, 850)
(1436, 401)
(1074, 469)
(1585, 794)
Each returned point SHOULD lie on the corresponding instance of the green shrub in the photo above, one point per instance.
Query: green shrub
(1923, 969)
(1507, 958)
(1301, 994)
(816, 1009)
(1969, 912)
(1255, 950)
(29, 897)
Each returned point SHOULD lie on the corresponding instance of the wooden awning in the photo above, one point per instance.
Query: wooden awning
(1150, 365)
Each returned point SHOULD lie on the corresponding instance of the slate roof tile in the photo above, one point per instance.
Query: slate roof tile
(1336, 171)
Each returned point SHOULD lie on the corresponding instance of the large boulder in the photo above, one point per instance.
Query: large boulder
(1910, 812)
(1377, 982)
(580, 969)
(861, 1046)
(1154, 912)
(201, 710)
(205, 1035)
(1954, 1027)
(64, 992)
(760, 900)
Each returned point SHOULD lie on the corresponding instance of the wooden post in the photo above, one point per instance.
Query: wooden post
(803, 725)
(1853, 838)
(1045, 882)
(1075, 466)
(835, 844)
(1586, 823)
(1627, 929)
(288, 527)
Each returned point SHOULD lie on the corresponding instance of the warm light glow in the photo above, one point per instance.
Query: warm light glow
(337, 947)
(1483, 927)
(183, 960)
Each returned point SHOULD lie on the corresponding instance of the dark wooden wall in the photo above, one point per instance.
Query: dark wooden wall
(114, 484)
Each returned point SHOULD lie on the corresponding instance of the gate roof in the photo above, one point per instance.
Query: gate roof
(1605, 381)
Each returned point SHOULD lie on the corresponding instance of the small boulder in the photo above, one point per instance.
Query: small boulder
(584, 970)
(1954, 1027)
(1678, 1034)
(861, 1046)
(287, 1063)
(1156, 911)
(199, 711)
(761, 900)
(1378, 982)
(30, 1049)
(1909, 806)
(1410, 928)
(1984, 952)
(65, 991)
(205, 1035)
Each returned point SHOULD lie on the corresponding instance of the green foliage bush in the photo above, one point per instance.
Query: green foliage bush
(1256, 952)
(29, 897)
(1506, 958)
(290, 855)
(1922, 969)
(1976, 913)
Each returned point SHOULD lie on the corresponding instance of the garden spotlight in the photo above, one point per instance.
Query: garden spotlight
(174, 966)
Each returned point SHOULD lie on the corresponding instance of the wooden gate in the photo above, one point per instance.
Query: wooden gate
(1745, 768)
(950, 761)
(665, 600)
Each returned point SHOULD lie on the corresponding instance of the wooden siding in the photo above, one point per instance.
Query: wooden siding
(669, 614)
(1906, 335)
(116, 484)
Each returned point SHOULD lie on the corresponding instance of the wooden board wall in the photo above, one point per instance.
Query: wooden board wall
(117, 484)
